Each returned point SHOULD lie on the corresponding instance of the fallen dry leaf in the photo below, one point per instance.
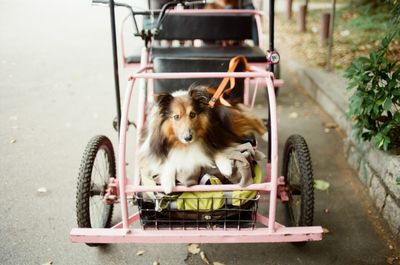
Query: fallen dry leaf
(326, 231)
(194, 249)
(293, 115)
(218, 263)
(390, 260)
(204, 257)
(42, 190)
(297, 104)
(331, 125)
(140, 253)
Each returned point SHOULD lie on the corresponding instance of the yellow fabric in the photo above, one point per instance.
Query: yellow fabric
(239, 196)
(204, 201)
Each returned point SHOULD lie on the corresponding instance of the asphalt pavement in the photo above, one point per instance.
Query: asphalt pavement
(56, 92)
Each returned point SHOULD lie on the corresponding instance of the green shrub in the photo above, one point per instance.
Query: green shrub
(375, 104)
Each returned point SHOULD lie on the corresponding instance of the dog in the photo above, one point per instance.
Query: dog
(183, 135)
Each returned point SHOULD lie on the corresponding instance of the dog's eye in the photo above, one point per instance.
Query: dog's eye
(192, 114)
(176, 117)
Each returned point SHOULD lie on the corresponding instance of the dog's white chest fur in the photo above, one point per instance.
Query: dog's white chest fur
(184, 164)
(192, 156)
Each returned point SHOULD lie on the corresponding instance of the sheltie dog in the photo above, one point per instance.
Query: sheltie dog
(183, 135)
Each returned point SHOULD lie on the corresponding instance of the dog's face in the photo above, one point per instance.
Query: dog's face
(184, 115)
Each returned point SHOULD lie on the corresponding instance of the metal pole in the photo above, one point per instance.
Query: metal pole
(271, 29)
(271, 67)
(115, 61)
(330, 44)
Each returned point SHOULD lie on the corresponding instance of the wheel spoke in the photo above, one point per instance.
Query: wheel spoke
(97, 208)
(294, 171)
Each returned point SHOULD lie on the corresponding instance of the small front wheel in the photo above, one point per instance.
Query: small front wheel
(97, 167)
(299, 181)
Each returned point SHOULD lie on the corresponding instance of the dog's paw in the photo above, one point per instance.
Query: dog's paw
(224, 165)
(167, 183)
(265, 136)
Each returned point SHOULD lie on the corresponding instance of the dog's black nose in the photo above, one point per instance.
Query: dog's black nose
(188, 138)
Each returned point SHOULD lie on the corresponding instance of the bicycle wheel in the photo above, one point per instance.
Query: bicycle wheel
(97, 167)
(297, 170)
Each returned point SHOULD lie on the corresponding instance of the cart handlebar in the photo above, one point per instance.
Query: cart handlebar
(146, 35)
(184, 3)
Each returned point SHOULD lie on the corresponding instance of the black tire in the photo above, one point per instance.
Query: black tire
(97, 167)
(298, 173)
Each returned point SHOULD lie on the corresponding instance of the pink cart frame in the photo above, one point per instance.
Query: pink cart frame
(124, 232)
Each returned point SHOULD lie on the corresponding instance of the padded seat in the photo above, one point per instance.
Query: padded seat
(253, 54)
(178, 64)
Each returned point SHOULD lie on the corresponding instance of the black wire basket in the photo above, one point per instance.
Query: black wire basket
(221, 215)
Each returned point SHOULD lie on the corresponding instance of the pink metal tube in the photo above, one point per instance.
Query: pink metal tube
(258, 235)
(131, 219)
(226, 187)
(122, 179)
(274, 154)
(122, 152)
(202, 75)
(259, 31)
(246, 93)
(274, 149)
(141, 109)
(264, 220)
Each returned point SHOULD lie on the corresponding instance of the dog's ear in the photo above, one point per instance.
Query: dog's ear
(163, 101)
(200, 95)
(163, 98)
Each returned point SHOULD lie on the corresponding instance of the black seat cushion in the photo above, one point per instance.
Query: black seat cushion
(206, 27)
(169, 64)
(253, 54)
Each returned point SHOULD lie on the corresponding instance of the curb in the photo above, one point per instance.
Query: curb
(377, 170)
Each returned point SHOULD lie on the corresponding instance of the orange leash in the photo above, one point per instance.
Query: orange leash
(218, 95)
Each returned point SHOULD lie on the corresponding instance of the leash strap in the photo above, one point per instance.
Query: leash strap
(218, 95)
